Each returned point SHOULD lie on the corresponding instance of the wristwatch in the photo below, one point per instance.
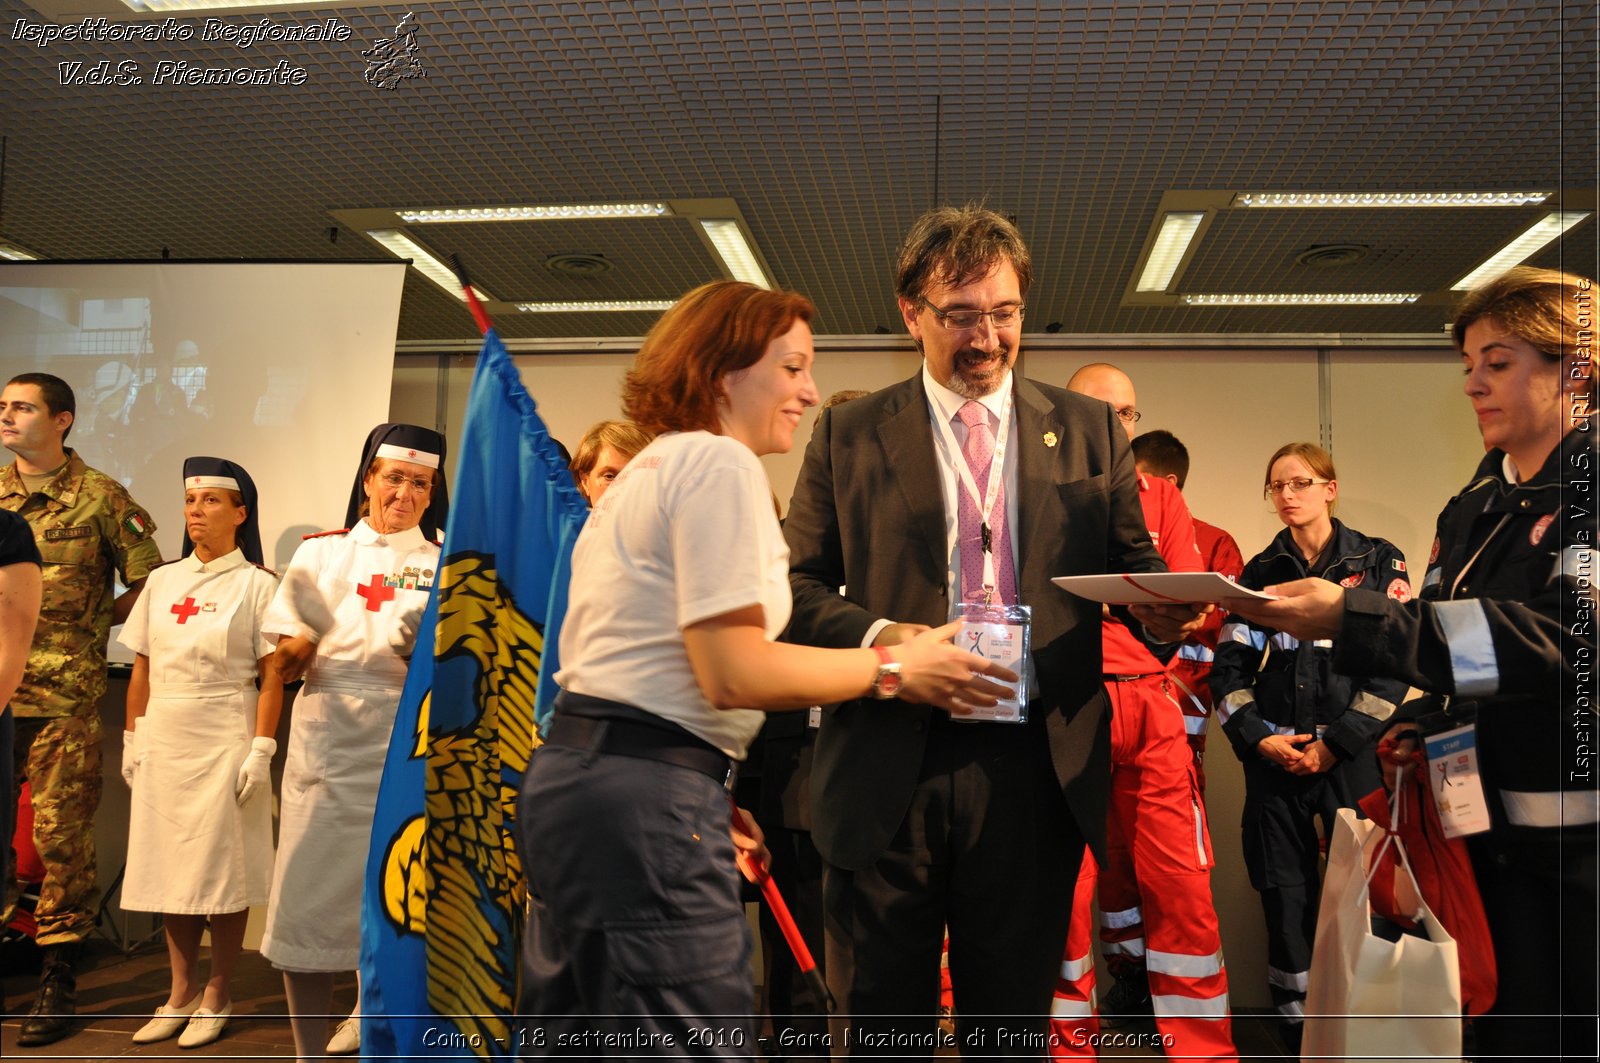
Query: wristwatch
(887, 683)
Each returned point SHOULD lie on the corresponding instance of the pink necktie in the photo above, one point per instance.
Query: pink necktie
(969, 515)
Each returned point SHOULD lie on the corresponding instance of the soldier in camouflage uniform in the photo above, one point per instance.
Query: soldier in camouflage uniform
(87, 529)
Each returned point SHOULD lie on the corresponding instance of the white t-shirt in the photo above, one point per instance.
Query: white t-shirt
(687, 532)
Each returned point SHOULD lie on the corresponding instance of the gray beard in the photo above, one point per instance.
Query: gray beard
(961, 386)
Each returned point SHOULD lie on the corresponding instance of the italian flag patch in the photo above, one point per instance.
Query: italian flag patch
(136, 523)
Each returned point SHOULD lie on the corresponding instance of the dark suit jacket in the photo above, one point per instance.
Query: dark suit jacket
(868, 515)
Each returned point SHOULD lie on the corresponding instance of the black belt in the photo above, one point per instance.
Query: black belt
(612, 732)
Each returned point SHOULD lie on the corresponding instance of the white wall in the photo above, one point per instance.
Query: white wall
(1402, 436)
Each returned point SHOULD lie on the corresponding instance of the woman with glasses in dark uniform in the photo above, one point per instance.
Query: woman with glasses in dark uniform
(1305, 731)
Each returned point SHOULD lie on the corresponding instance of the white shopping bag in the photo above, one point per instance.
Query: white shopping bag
(1370, 998)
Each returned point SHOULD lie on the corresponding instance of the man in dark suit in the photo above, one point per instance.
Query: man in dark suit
(924, 820)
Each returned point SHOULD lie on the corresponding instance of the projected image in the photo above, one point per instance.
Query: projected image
(147, 395)
(281, 367)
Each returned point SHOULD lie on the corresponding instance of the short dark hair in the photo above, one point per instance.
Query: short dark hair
(57, 394)
(716, 329)
(957, 246)
(1162, 453)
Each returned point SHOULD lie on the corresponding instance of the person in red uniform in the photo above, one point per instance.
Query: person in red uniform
(1156, 912)
(1161, 454)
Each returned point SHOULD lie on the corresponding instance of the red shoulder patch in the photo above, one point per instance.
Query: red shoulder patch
(319, 535)
(1353, 581)
(267, 570)
(1399, 590)
(1433, 555)
(1540, 528)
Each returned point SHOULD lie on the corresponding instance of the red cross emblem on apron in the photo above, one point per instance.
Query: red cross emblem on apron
(376, 593)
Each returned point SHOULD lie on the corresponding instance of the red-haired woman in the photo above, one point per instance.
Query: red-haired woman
(679, 586)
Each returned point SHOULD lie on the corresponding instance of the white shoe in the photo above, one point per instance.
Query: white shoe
(346, 1039)
(205, 1026)
(167, 1022)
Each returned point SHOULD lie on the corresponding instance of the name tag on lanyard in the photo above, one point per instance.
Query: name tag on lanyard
(1003, 634)
(1455, 782)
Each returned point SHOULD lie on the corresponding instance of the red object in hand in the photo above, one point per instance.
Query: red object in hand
(780, 911)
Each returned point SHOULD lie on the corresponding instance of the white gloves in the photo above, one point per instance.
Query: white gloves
(256, 771)
(130, 756)
(407, 621)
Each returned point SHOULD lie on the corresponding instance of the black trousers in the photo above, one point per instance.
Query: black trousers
(637, 944)
(987, 849)
(1539, 892)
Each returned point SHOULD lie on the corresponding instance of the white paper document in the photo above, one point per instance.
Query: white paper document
(1129, 588)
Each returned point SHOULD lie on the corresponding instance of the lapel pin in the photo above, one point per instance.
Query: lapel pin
(1049, 439)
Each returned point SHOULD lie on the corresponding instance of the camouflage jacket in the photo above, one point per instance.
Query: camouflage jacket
(87, 527)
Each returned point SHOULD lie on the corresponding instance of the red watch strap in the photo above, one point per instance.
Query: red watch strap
(883, 654)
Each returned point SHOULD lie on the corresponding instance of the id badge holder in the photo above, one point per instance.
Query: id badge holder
(1450, 742)
(1003, 634)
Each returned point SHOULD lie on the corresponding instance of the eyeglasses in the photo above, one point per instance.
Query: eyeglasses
(396, 480)
(1295, 486)
(962, 320)
(1128, 415)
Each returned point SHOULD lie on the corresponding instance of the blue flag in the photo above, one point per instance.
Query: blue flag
(442, 908)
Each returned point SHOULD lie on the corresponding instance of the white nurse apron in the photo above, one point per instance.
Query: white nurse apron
(192, 849)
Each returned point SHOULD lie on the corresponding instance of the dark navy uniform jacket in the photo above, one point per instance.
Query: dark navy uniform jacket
(1505, 623)
(1267, 682)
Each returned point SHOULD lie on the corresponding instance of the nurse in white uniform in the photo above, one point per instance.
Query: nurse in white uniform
(345, 617)
(199, 744)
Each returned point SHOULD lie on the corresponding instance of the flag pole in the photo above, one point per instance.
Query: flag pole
(780, 911)
(478, 314)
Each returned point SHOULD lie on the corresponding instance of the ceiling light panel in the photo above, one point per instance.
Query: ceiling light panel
(1411, 250)
(562, 212)
(652, 259)
(624, 306)
(1301, 298)
(1531, 241)
(1171, 243)
(1367, 200)
(735, 251)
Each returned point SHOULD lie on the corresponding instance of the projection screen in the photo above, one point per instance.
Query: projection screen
(282, 367)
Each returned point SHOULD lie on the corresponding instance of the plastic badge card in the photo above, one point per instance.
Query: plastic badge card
(1001, 633)
(1457, 787)
(1154, 588)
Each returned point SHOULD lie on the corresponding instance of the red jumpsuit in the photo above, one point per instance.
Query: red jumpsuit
(1157, 839)
(1191, 668)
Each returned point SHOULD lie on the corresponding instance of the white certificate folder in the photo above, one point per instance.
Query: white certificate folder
(1134, 588)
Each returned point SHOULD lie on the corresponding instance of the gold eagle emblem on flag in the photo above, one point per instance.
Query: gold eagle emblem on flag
(453, 874)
